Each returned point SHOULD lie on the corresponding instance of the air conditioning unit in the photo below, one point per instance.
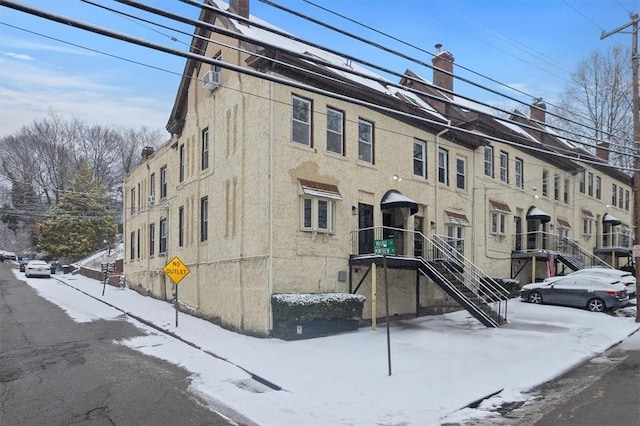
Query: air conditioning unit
(211, 80)
(151, 199)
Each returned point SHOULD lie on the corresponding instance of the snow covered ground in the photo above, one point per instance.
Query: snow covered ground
(439, 364)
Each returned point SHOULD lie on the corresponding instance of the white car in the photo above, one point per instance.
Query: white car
(624, 277)
(9, 255)
(37, 268)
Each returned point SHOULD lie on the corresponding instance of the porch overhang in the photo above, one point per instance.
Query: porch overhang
(611, 219)
(534, 213)
(394, 199)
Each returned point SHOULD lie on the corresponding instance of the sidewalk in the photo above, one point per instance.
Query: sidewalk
(440, 364)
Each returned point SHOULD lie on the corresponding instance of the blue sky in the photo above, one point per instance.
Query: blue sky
(531, 45)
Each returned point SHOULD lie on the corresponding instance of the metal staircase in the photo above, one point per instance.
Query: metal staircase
(478, 293)
(439, 260)
(577, 257)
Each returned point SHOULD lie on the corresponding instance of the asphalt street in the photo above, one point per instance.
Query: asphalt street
(56, 371)
(604, 390)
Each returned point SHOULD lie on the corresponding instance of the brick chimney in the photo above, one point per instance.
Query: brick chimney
(443, 68)
(239, 7)
(602, 150)
(538, 110)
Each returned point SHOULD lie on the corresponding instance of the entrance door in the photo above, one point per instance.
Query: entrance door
(393, 223)
(418, 243)
(518, 246)
(365, 228)
(532, 234)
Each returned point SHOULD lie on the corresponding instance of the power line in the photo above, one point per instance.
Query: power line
(124, 37)
(402, 55)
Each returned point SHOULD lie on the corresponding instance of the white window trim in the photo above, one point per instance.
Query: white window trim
(423, 146)
(331, 214)
(368, 142)
(463, 174)
(498, 223)
(444, 154)
(587, 226)
(488, 162)
(504, 167)
(306, 123)
(340, 133)
(519, 174)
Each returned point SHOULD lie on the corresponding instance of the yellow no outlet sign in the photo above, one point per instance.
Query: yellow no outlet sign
(176, 270)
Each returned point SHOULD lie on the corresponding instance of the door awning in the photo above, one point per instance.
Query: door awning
(535, 213)
(563, 223)
(587, 214)
(499, 206)
(458, 218)
(611, 219)
(394, 199)
(317, 189)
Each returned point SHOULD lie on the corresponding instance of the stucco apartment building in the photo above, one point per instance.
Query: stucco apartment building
(289, 163)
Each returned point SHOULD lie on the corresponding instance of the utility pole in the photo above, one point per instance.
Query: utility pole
(636, 145)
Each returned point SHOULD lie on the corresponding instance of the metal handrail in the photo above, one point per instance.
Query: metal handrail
(471, 276)
(595, 260)
(432, 250)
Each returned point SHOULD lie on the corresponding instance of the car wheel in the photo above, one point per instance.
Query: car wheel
(535, 297)
(596, 305)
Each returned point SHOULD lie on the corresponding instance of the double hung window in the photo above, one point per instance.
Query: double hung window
(335, 131)
(365, 141)
(504, 167)
(443, 166)
(163, 236)
(301, 121)
(419, 158)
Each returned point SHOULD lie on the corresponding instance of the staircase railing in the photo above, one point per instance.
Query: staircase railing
(472, 277)
(587, 259)
(442, 252)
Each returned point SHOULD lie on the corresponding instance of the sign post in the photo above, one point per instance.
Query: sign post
(176, 270)
(385, 247)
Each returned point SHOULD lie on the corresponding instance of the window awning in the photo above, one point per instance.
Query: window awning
(563, 223)
(318, 189)
(458, 218)
(499, 206)
(535, 213)
(611, 219)
(394, 199)
(587, 214)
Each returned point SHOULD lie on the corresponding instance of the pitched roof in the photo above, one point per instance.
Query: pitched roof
(305, 62)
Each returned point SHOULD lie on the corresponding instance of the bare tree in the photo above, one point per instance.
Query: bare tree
(132, 143)
(596, 106)
(43, 157)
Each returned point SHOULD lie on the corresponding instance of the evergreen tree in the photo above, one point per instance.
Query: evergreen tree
(81, 221)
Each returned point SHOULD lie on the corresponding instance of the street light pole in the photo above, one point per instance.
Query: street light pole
(636, 144)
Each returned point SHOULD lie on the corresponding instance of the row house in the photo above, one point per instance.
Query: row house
(292, 170)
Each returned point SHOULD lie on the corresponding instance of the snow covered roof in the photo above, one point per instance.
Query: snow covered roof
(262, 36)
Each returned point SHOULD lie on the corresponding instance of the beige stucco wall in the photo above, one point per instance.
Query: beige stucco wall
(255, 245)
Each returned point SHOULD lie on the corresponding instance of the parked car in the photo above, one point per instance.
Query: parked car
(23, 264)
(9, 255)
(37, 268)
(624, 277)
(597, 294)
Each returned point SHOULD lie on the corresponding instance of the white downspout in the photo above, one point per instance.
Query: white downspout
(271, 196)
(437, 183)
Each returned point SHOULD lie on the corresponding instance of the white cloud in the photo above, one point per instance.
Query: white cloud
(20, 44)
(29, 91)
(20, 56)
